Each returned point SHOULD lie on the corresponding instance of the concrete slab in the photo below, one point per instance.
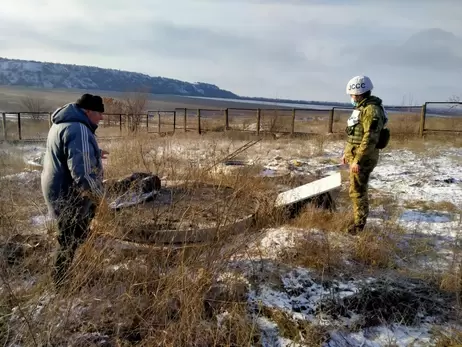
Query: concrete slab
(309, 190)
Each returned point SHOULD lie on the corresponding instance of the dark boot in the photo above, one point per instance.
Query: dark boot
(355, 229)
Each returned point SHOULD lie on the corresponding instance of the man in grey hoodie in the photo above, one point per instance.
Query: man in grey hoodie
(72, 176)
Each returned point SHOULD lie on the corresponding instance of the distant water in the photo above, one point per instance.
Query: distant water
(271, 103)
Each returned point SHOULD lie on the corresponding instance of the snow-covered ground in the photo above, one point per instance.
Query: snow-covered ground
(425, 187)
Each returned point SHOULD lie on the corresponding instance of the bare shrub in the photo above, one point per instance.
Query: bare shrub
(135, 104)
(132, 106)
(35, 105)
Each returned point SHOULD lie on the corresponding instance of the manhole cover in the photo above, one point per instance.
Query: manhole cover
(184, 209)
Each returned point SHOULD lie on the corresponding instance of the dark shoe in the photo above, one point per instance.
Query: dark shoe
(355, 229)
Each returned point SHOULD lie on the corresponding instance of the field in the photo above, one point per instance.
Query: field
(12, 99)
(278, 281)
(302, 281)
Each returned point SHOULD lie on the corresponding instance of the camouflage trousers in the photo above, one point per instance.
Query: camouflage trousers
(359, 184)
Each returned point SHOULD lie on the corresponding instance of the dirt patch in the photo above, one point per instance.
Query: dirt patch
(186, 206)
(387, 301)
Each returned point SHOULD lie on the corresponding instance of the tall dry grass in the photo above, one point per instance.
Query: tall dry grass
(130, 294)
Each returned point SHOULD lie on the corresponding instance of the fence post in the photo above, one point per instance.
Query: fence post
(50, 123)
(226, 119)
(292, 126)
(199, 121)
(120, 123)
(258, 121)
(4, 126)
(147, 122)
(185, 119)
(330, 125)
(422, 120)
(158, 122)
(174, 121)
(19, 126)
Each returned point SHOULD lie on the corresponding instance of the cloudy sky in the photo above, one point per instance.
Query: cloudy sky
(306, 49)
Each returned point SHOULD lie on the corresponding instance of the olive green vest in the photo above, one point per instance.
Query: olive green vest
(356, 132)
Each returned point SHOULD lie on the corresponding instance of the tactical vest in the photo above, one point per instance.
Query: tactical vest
(355, 132)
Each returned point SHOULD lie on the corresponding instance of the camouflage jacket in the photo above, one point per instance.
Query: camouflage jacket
(364, 126)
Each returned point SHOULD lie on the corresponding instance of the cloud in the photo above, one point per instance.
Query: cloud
(293, 49)
(430, 49)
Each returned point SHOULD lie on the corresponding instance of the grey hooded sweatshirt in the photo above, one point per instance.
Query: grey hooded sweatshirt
(72, 162)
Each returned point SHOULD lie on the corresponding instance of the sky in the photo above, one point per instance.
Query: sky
(306, 49)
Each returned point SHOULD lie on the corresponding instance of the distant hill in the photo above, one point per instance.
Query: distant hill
(28, 73)
(36, 74)
(15, 72)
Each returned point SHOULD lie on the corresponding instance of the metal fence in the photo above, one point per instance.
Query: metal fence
(418, 120)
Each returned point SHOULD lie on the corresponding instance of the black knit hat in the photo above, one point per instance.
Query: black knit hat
(91, 102)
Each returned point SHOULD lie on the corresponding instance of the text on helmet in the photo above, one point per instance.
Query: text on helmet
(357, 86)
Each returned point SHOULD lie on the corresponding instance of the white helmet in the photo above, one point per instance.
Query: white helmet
(359, 85)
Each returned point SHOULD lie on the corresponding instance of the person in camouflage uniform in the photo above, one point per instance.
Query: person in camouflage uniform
(363, 130)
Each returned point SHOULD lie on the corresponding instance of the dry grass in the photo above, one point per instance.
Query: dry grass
(137, 295)
(422, 205)
(315, 251)
(447, 338)
(297, 330)
(10, 160)
(378, 248)
(153, 296)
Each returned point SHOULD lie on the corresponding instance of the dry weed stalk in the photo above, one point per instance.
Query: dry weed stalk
(127, 294)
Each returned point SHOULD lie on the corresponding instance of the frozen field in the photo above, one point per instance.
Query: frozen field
(307, 280)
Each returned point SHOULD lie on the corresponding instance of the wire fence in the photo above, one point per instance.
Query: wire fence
(442, 117)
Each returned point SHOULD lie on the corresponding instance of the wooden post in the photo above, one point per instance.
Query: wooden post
(292, 126)
(199, 121)
(19, 126)
(174, 121)
(330, 124)
(4, 126)
(258, 121)
(50, 122)
(147, 122)
(226, 119)
(185, 120)
(120, 123)
(158, 122)
(422, 120)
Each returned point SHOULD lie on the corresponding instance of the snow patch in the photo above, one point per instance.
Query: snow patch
(409, 176)
(23, 177)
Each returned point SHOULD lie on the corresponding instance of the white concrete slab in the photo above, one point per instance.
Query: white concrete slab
(309, 190)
